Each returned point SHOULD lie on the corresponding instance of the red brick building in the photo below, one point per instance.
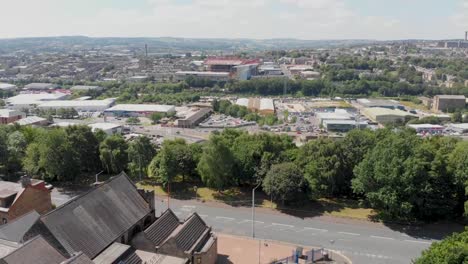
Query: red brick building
(8, 116)
(17, 199)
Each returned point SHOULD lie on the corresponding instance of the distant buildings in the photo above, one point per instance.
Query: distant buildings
(7, 87)
(32, 121)
(264, 106)
(86, 88)
(78, 105)
(28, 101)
(17, 199)
(108, 128)
(138, 109)
(193, 118)
(427, 128)
(337, 115)
(446, 103)
(208, 75)
(8, 116)
(381, 103)
(343, 125)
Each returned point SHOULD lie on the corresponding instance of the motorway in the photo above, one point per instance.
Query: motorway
(361, 241)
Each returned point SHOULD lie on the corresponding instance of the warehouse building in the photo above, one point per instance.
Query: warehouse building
(31, 100)
(77, 88)
(193, 118)
(108, 128)
(338, 114)
(390, 104)
(208, 75)
(8, 116)
(32, 121)
(447, 103)
(79, 105)
(427, 128)
(264, 106)
(138, 110)
(385, 115)
(343, 125)
(7, 87)
(40, 86)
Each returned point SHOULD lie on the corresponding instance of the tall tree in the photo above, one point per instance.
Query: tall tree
(113, 154)
(451, 250)
(86, 147)
(140, 153)
(458, 165)
(285, 182)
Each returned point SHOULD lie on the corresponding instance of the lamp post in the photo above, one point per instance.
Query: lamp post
(253, 208)
(97, 174)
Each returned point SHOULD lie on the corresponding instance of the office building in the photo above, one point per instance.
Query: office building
(447, 103)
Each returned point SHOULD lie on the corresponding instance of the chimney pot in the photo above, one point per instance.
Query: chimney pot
(25, 181)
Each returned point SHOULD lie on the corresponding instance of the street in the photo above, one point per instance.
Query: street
(362, 242)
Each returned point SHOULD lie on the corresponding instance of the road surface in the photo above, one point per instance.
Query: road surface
(361, 241)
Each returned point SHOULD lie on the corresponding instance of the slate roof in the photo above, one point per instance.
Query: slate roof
(162, 228)
(15, 230)
(94, 220)
(190, 232)
(36, 251)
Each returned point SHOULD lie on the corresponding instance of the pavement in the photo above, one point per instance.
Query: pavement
(361, 241)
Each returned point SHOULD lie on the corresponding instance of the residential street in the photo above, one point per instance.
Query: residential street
(362, 242)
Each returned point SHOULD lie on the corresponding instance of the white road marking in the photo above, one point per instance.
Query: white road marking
(276, 224)
(177, 213)
(225, 218)
(186, 209)
(382, 237)
(203, 215)
(416, 241)
(189, 206)
(316, 229)
(348, 233)
(250, 221)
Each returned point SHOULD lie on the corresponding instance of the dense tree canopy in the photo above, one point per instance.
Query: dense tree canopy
(451, 250)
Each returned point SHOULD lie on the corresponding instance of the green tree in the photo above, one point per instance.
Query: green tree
(285, 182)
(216, 164)
(156, 117)
(133, 120)
(86, 147)
(140, 153)
(16, 146)
(451, 250)
(113, 154)
(458, 165)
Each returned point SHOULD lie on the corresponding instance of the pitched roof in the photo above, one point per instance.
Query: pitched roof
(15, 230)
(79, 258)
(37, 251)
(190, 232)
(94, 220)
(111, 254)
(162, 228)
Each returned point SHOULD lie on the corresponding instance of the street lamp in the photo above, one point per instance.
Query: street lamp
(253, 208)
(97, 176)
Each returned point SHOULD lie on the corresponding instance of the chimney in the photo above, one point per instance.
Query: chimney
(25, 181)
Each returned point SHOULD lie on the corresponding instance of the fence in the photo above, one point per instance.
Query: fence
(309, 257)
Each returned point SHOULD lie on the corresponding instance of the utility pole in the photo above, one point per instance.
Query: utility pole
(253, 208)
(97, 174)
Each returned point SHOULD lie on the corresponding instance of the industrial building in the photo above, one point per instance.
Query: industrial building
(209, 75)
(386, 116)
(108, 128)
(382, 103)
(343, 125)
(427, 128)
(8, 116)
(226, 64)
(446, 103)
(78, 105)
(86, 88)
(7, 87)
(193, 118)
(40, 86)
(138, 109)
(32, 121)
(264, 106)
(31, 100)
(338, 114)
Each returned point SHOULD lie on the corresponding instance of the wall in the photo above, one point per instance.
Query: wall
(31, 199)
(210, 255)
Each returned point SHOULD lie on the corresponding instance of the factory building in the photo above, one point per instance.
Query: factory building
(208, 75)
(338, 114)
(386, 116)
(78, 105)
(7, 87)
(446, 103)
(40, 86)
(108, 128)
(194, 117)
(8, 116)
(427, 128)
(381, 103)
(264, 106)
(138, 109)
(343, 125)
(28, 101)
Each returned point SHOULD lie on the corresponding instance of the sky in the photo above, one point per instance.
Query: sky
(257, 19)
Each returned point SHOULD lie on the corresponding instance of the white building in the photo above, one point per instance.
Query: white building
(86, 88)
(337, 115)
(27, 101)
(108, 128)
(78, 105)
(138, 109)
(7, 87)
(40, 86)
(32, 121)
(427, 128)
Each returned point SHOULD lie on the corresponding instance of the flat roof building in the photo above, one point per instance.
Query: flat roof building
(427, 128)
(209, 75)
(446, 103)
(382, 103)
(108, 128)
(8, 116)
(193, 118)
(86, 88)
(343, 125)
(32, 121)
(31, 100)
(138, 109)
(263, 106)
(337, 115)
(78, 105)
(40, 86)
(385, 115)
(7, 87)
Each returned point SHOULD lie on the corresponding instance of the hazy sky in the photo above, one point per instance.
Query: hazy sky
(305, 19)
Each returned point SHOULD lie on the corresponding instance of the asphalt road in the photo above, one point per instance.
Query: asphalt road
(362, 242)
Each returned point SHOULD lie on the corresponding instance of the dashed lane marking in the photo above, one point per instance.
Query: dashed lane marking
(416, 241)
(316, 229)
(350, 234)
(250, 221)
(382, 237)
